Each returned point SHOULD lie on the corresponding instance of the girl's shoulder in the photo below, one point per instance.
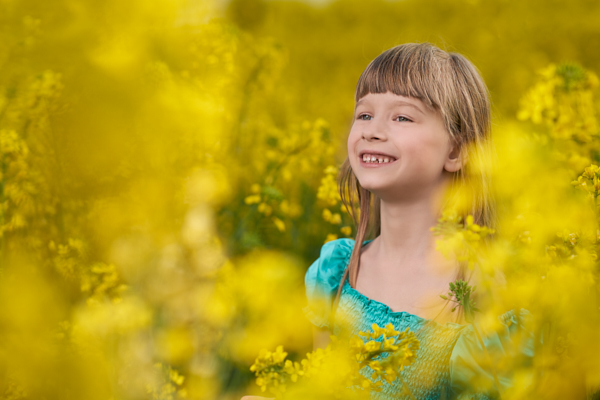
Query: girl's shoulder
(331, 264)
(323, 278)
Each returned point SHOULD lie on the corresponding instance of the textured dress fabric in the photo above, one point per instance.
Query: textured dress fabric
(449, 358)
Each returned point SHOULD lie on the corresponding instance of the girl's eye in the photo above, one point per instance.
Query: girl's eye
(402, 119)
(364, 115)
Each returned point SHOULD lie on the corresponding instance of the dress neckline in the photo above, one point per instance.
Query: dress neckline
(375, 303)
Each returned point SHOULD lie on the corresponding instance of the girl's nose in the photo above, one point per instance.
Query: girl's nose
(374, 131)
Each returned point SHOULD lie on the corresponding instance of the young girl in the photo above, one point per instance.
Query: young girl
(421, 121)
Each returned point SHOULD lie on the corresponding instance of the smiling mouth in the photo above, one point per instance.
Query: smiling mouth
(377, 159)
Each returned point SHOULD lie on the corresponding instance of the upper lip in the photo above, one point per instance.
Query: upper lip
(379, 153)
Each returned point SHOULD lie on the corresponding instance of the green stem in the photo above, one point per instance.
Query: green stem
(496, 380)
(543, 333)
(284, 160)
(2, 216)
(487, 354)
(406, 387)
(597, 288)
(245, 104)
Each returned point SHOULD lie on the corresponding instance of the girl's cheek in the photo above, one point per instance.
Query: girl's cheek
(351, 140)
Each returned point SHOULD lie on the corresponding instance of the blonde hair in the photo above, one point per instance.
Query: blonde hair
(447, 83)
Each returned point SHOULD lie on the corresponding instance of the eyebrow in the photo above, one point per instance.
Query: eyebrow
(397, 102)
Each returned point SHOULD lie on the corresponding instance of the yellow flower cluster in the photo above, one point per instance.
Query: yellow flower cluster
(385, 350)
(291, 163)
(459, 237)
(563, 100)
(328, 193)
(589, 181)
(334, 219)
(272, 371)
(398, 349)
(168, 384)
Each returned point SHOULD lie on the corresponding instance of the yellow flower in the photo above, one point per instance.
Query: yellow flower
(279, 224)
(377, 331)
(328, 191)
(279, 355)
(265, 209)
(252, 199)
(391, 330)
(330, 237)
(336, 219)
(388, 344)
(372, 346)
(375, 365)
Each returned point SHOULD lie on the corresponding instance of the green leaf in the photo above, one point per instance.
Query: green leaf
(272, 192)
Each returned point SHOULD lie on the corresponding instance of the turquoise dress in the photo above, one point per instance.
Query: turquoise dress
(450, 360)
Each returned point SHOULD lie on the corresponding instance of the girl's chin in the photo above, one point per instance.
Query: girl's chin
(376, 188)
(388, 188)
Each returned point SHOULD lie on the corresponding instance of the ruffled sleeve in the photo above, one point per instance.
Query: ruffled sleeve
(322, 280)
(510, 349)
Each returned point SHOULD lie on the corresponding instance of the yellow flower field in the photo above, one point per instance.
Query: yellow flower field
(168, 173)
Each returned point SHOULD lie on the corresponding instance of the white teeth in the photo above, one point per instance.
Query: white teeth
(373, 159)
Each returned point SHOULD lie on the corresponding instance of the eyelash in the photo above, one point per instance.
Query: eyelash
(400, 116)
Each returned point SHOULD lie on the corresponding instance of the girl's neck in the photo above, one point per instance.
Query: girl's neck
(406, 239)
(405, 229)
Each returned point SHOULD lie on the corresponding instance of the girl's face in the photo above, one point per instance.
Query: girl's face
(398, 148)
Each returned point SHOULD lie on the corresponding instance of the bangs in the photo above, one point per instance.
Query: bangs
(410, 70)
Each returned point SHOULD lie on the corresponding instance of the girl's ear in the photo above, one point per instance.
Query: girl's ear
(456, 159)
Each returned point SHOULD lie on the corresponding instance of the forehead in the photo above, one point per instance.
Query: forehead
(389, 99)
